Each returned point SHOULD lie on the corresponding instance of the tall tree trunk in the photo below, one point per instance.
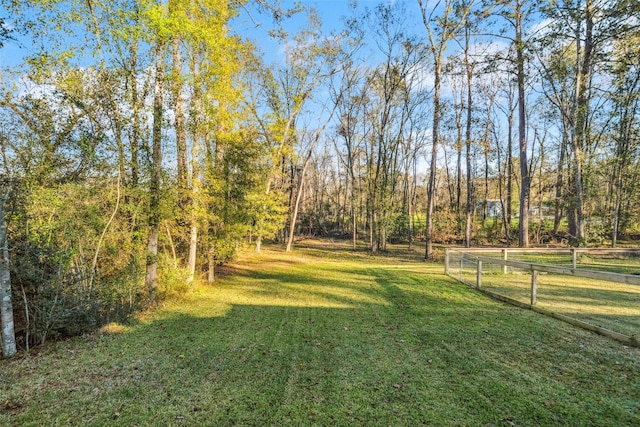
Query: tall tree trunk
(193, 234)
(412, 201)
(198, 142)
(134, 140)
(486, 149)
(181, 154)
(211, 261)
(525, 181)
(156, 176)
(470, 195)
(460, 220)
(431, 189)
(407, 193)
(486, 184)
(409, 224)
(294, 213)
(621, 163)
(581, 123)
(371, 218)
(6, 307)
(354, 211)
(448, 27)
(458, 204)
(509, 171)
(558, 204)
(179, 118)
(501, 185)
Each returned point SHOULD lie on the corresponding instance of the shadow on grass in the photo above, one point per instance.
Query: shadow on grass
(590, 295)
(333, 344)
(587, 296)
(598, 301)
(276, 365)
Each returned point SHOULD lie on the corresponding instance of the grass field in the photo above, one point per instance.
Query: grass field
(328, 337)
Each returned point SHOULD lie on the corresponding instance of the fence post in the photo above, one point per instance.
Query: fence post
(574, 252)
(479, 275)
(446, 261)
(505, 256)
(534, 286)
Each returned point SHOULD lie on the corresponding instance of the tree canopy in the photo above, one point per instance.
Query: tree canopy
(145, 142)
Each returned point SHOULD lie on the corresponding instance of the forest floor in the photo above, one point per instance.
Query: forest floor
(330, 337)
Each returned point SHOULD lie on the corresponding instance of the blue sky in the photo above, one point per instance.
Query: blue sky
(330, 11)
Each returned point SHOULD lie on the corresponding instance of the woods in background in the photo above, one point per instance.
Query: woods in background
(142, 143)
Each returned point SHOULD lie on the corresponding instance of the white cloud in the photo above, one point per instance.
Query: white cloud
(539, 29)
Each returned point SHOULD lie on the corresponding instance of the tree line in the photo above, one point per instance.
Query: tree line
(143, 142)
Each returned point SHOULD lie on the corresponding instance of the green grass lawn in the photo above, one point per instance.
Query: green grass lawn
(328, 337)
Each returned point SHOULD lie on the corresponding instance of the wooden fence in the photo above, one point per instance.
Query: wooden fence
(477, 257)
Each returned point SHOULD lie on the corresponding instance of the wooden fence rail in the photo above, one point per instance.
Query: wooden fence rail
(473, 257)
(575, 252)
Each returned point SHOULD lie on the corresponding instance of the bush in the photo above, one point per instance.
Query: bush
(173, 281)
(53, 236)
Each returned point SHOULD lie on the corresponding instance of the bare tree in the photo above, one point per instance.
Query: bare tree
(441, 29)
(312, 145)
(353, 132)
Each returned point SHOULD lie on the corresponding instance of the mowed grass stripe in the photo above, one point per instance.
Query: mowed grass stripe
(329, 337)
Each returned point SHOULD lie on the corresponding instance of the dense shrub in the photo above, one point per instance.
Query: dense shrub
(55, 234)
